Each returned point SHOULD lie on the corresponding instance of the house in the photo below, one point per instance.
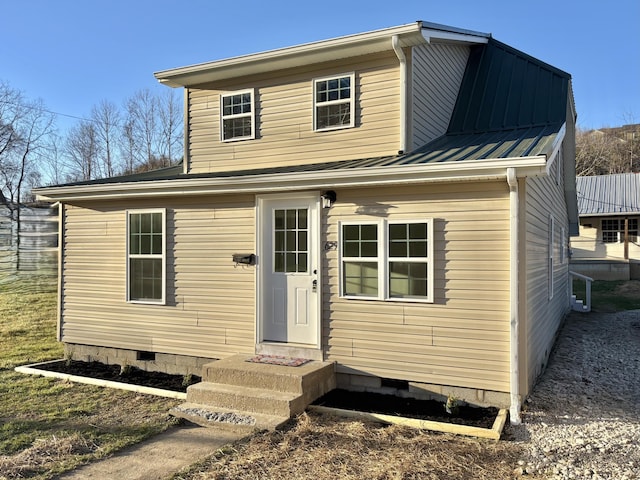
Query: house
(609, 209)
(396, 202)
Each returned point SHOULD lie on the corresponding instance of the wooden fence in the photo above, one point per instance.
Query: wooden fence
(33, 247)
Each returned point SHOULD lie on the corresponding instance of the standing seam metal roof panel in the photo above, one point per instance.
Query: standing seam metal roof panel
(504, 89)
(617, 194)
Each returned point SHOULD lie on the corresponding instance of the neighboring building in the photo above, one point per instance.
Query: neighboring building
(397, 202)
(609, 209)
(31, 248)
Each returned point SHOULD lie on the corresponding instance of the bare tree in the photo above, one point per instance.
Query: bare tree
(82, 151)
(170, 119)
(52, 167)
(106, 118)
(129, 148)
(25, 127)
(11, 111)
(24, 130)
(607, 150)
(142, 120)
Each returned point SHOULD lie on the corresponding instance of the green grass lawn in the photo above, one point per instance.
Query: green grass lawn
(611, 296)
(48, 426)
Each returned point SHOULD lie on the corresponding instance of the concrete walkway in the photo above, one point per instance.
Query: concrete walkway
(159, 457)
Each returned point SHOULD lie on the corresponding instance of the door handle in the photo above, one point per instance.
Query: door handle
(314, 285)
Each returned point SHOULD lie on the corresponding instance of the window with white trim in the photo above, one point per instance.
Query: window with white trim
(388, 260)
(237, 116)
(333, 102)
(613, 230)
(408, 260)
(146, 249)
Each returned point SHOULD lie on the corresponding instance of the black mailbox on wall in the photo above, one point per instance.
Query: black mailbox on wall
(244, 258)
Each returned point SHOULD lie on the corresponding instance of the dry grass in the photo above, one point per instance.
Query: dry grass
(49, 426)
(43, 453)
(321, 447)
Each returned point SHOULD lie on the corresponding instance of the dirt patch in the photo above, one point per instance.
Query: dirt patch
(632, 287)
(117, 373)
(409, 407)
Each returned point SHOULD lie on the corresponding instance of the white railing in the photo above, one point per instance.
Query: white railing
(581, 305)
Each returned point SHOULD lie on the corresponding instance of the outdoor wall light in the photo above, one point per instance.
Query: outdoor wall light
(328, 198)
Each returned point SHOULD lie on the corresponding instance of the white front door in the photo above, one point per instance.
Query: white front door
(289, 290)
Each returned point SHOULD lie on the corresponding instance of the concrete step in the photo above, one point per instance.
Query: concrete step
(246, 399)
(230, 420)
(236, 370)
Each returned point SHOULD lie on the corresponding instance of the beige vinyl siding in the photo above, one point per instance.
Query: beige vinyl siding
(543, 312)
(463, 337)
(210, 304)
(436, 77)
(284, 118)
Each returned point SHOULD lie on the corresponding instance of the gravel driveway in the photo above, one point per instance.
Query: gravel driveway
(583, 419)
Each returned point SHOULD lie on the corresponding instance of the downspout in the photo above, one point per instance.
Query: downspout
(514, 207)
(395, 43)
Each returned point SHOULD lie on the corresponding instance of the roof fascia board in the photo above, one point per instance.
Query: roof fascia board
(555, 147)
(473, 170)
(298, 55)
(611, 214)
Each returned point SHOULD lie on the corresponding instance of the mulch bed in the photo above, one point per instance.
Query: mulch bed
(131, 375)
(408, 407)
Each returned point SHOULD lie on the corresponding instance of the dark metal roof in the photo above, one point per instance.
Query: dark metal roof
(505, 89)
(524, 142)
(609, 194)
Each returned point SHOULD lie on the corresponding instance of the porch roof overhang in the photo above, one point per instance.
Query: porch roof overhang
(361, 173)
(316, 52)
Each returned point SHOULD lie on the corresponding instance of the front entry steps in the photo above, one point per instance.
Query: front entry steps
(239, 394)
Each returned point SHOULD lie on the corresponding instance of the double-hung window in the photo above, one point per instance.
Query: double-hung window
(237, 116)
(388, 260)
(408, 247)
(146, 247)
(333, 102)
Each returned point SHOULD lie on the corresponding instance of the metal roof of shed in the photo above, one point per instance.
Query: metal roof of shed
(617, 194)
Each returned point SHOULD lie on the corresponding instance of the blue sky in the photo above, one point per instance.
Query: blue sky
(74, 53)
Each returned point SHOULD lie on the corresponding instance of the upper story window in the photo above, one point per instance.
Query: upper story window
(237, 116)
(333, 102)
(146, 250)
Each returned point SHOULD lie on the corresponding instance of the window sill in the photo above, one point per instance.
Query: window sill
(147, 302)
(237, 139)
(331, 129)
(391, 299)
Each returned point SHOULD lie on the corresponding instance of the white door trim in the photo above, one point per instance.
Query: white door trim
(263, 202)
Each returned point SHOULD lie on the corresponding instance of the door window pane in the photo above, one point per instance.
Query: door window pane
(290, 246)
